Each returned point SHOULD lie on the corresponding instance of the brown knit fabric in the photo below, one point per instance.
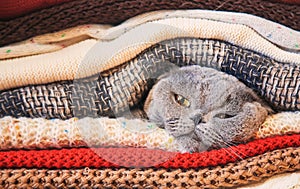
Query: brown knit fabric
(233, 174)
(287, 1)
(115, 11)
(15, 8)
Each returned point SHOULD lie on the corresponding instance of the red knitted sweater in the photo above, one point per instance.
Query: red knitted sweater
(138, 157)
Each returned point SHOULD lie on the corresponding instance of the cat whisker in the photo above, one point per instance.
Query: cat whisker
(208, 139)
(195, 137)
(219, 141)
(211, 139)
(230, 143)
(217, 137)
(229, 146)
(230, 150)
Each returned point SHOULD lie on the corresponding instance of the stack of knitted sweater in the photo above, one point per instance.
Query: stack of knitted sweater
(67, 66)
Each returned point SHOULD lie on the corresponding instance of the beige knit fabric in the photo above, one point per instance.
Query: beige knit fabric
(280, 124)
(53, 41)
(92, 56)
(42, 133)
(276, 33)
(282, 181)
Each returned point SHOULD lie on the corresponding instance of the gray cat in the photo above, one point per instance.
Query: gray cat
(204, 108)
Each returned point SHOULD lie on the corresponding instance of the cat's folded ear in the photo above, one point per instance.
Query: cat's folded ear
(148, 101)
(260, 100)
(169, 68)
(268, 108)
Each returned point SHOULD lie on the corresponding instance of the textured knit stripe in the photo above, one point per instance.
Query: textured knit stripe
(90, 57)
(274, 32)
(113, 12)
(233, 174)
(39, 133)
(115, 91)
(287, 1)
(139, 157)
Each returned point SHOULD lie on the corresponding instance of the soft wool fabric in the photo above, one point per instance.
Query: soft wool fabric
(114, 12)
(26, 133)
(139, 157)
(280, 124)
(90, 56)
(272, 31)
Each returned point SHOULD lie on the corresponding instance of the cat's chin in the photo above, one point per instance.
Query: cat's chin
(189, 144)
(193, 150)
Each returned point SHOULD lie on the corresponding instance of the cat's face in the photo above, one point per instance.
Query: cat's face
(203, 108)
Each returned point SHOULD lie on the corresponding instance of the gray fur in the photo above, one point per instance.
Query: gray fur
(211, 94)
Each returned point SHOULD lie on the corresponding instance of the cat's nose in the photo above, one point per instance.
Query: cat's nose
(197, 118)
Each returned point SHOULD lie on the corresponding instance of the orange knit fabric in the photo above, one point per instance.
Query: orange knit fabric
(138, 157)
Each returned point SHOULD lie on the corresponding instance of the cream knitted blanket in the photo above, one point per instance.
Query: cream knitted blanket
(117, 45)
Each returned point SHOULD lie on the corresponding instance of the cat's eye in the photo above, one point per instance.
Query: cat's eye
(181, 100)
(224, 116)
